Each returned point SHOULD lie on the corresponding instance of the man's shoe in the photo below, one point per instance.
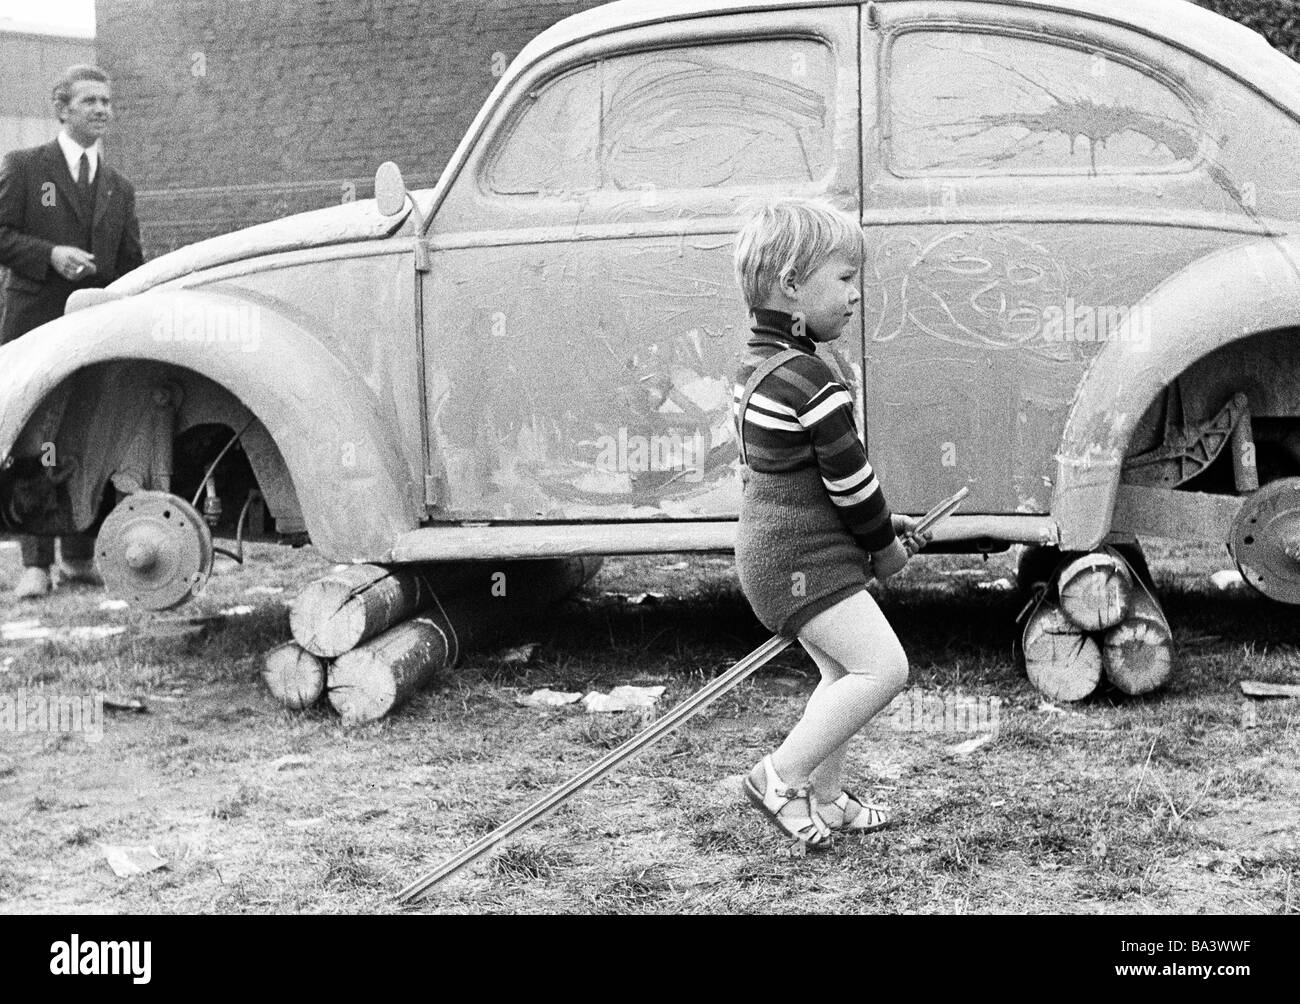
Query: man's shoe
(82, 572)
(33, 584)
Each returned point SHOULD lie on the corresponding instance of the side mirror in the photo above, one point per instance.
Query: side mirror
(390, 189)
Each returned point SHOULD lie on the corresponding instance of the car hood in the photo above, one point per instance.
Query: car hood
(355, 221)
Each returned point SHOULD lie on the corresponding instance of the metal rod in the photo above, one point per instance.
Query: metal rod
(684, 711)
(688, 708)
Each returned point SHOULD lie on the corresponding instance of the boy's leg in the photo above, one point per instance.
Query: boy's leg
(827, 778)
(855, 634)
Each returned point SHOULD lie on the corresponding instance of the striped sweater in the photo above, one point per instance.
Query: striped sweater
(801, 416)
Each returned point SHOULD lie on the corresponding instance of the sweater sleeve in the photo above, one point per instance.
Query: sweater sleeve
(827, 417)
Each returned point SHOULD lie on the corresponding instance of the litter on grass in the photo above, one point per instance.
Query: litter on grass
(128, 861)
(32, 630)
(1228, 578)
(545, 698)
(522, 653)
(1257, 688)
(625, 698)
(970, 745)
(113, 605)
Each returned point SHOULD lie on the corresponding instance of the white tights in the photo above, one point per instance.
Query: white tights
(863, 668)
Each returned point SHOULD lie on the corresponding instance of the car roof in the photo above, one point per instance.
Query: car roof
(1233, 46)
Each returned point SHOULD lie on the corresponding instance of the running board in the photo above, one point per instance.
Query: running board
(548, 540)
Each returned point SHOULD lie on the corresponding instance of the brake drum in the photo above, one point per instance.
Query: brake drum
(1265, 540)
(154, 550)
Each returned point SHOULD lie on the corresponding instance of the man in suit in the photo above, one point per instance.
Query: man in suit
(67, 222)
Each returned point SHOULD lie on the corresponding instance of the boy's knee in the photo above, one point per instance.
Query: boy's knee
(894, 668)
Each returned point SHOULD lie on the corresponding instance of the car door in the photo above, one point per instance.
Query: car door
(582, 322)
(1029, 176)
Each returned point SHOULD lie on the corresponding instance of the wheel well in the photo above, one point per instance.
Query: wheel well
(116, 427)
(1265, 369)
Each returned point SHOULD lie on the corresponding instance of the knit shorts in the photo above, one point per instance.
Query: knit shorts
(794, 556)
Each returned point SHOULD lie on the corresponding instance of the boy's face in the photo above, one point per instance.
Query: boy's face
(828, 298)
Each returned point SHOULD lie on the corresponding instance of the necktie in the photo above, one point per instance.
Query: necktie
(83, 173)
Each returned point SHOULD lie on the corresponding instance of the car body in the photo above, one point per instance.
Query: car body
(1080, 220)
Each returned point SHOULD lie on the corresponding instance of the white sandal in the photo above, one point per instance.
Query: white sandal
(867, 818)
(808, 829)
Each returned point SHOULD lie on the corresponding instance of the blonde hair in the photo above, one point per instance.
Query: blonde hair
(793, 237)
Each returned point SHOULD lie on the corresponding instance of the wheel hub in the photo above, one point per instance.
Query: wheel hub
(1265, 540)
(154, 550)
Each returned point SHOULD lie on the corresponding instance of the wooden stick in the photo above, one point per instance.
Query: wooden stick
(682, 713)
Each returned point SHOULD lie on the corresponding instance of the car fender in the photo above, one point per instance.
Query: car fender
(1224, 297)
(356, 492)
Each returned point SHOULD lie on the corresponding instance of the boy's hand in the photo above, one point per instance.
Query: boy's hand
(885, 563)
(905, 528)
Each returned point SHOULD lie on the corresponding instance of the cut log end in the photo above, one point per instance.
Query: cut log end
(1138, 654)
(1096, 590)
(1060, 660)
(296, 678)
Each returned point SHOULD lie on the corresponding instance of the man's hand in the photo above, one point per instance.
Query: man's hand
(72, 263)
(905, 528)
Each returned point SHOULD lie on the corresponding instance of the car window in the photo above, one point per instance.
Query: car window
(750, 113)
(963, 103)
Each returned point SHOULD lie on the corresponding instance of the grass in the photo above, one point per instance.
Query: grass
(1177, 802)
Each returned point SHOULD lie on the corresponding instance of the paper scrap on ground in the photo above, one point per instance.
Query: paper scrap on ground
(237, 611)
(33, 630)
(1228, 578)
(521, 653)
(128, 861)
(125, 704)
(113, 605)
(997, 585)
(1257, 688)
(547, 699)
(970, 745)
(625, 698)
(290, 762)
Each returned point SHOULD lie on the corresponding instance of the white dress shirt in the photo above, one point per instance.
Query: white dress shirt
(72, 151)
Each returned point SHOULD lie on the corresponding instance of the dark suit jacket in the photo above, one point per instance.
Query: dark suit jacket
(39, 208)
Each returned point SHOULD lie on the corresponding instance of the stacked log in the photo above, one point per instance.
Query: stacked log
(1063, 662)
(1096, 590)
(1138, 654)
(372, 636)
(1097, 617)
(294, 676)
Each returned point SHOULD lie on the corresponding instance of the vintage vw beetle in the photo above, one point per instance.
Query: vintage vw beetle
(1080, 298)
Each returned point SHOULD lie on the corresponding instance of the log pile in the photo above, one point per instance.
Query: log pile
(369, 637)
(1096, 617)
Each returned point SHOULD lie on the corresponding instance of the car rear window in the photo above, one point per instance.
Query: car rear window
(977, 103)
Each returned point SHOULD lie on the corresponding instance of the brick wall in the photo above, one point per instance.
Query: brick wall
(232, 112)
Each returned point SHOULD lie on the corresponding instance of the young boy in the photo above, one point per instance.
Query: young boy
(812, 513)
